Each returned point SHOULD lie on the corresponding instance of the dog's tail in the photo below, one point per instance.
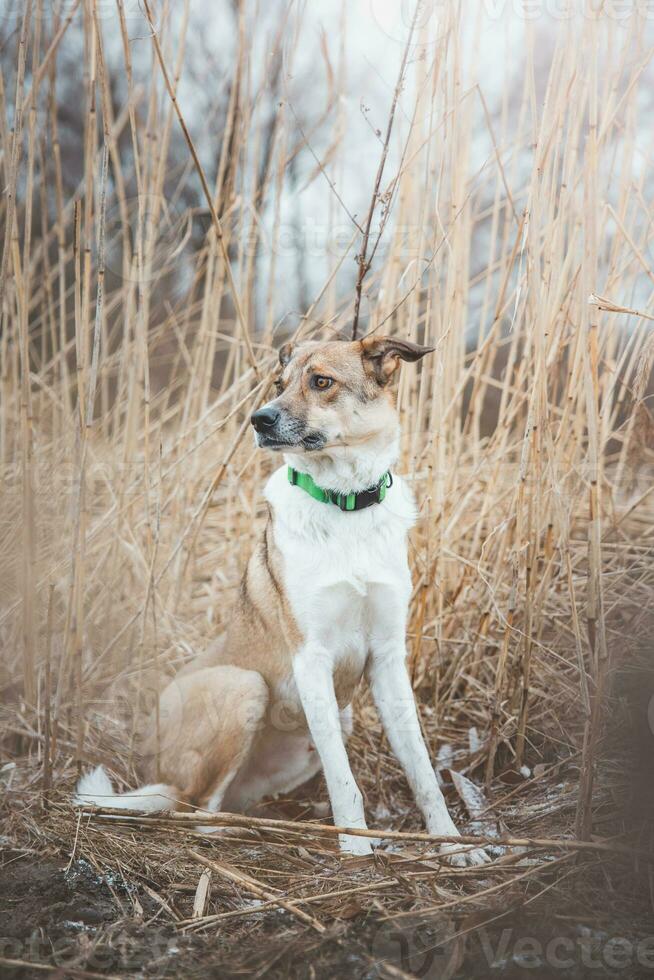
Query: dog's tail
(95, 789)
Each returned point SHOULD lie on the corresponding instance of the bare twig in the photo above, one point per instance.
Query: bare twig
(362, 258)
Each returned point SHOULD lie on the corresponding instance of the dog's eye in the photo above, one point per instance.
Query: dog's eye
(278, 385)
(320, 382)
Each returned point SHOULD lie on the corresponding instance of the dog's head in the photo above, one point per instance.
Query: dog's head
(334, 394)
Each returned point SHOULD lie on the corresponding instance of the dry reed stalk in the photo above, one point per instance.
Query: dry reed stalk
(308, 828)
(47, 703)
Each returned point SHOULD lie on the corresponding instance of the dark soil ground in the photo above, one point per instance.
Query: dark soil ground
(74, 922)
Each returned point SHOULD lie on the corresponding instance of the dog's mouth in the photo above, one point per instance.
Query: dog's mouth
(270, 442)
(309, 443)
(313, 441)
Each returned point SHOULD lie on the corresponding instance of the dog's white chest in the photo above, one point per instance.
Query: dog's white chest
(343, 572)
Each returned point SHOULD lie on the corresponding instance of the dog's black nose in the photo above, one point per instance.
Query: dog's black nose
(264, 418)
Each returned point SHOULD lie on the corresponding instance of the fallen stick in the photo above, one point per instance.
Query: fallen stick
(249, 884)
(307, 828)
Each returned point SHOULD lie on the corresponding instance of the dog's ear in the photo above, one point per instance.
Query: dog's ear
(382, 355)
(285, 353)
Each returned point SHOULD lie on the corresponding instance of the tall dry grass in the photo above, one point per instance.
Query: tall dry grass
(130, 488)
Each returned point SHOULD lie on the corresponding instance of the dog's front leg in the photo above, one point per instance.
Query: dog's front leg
(312, 669)
(393, 695)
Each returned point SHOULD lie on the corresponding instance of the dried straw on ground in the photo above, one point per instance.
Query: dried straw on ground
(131, 493)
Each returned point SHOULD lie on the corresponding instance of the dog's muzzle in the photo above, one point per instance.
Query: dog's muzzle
(276, 429)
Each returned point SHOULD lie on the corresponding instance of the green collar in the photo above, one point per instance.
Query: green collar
(346, 501)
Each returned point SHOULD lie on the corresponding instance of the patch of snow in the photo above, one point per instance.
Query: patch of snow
(476, 804)
(445, 757)
(81, 869)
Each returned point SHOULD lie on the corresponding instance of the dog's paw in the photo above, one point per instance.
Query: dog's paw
(359, 846)
(464, 856)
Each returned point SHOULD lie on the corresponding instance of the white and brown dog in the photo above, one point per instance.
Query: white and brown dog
(323, 601)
